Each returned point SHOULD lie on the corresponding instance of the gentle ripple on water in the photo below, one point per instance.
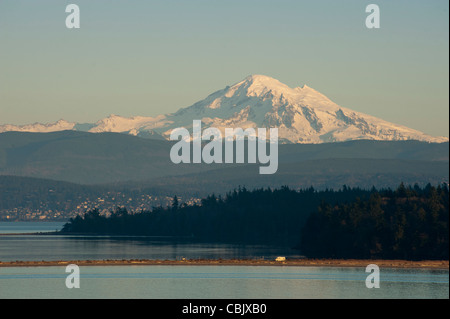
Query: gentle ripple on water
(175, 282)
(221, 282)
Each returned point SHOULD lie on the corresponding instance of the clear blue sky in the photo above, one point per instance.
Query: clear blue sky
(147, 57)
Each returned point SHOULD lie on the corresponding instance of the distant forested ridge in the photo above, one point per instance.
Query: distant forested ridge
(406, 223)
(57, 175)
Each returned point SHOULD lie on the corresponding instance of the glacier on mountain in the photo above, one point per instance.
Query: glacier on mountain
(301, 114)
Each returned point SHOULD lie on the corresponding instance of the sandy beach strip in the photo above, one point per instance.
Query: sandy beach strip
(426, 264)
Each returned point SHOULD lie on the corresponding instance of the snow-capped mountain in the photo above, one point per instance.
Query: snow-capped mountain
(60, 125)
(302, 115)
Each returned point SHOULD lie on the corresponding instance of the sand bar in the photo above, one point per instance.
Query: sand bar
(426, 264)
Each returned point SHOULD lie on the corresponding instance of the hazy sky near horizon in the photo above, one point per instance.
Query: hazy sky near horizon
(151, 57)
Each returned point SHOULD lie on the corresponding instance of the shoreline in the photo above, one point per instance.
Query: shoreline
(299, 262)
(425, 264)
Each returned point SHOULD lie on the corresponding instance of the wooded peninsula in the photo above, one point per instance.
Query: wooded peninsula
(408, 223)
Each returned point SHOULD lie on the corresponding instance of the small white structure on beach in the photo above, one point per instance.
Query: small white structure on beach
(280, 259)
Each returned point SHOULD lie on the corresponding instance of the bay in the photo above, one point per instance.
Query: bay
(29, 227)
(29, 247)
(191, 281)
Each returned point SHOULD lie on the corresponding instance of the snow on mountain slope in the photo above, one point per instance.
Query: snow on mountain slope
(60, 125)
(302, 115)
(137, 125)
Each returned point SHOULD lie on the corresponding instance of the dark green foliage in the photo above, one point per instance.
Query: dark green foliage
(409, 223)
(261, 216)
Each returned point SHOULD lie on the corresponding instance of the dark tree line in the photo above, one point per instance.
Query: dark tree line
(265, 216)
(406, 223)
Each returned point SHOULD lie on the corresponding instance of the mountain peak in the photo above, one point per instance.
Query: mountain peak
(301, 114)
(258, 85)
(259, 78)
(114, 116)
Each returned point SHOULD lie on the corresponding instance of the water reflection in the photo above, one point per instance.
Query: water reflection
(53, 247)
(235, 282)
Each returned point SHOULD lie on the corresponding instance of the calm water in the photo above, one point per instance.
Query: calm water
(29, 227)
(234, 282)
(53, 247)
(231, 282)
